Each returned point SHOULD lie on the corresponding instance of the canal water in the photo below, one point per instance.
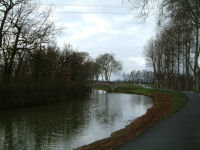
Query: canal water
(67, 125)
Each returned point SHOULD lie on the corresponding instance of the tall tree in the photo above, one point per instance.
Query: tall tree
(24, 29)
(179, 22)
(108, 65)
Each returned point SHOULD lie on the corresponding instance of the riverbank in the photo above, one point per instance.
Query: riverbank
(165, 104)
(25, 95)
(197, 92)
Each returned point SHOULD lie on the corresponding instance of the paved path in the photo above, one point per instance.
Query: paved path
(179, 132)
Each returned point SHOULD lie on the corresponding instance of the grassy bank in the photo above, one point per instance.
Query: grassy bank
(197, 92)
(23, 95)
(165, 104)
(100, 88)
(178, 99)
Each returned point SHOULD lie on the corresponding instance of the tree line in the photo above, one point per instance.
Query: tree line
(24, 31)
(27, 50)
(33, 69)
(174, 52)
(139, 76)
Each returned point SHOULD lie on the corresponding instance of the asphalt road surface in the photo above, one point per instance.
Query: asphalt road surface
(181, 131)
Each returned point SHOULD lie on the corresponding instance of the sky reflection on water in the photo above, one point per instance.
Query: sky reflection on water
(71, 124)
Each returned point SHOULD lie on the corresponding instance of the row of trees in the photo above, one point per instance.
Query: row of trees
(55, 64)
(174, 52)
(33, 69)
(140, 76)
(26, 50)
(23, 31)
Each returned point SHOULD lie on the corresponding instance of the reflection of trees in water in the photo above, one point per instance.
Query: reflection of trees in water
(9, 137)
(105, 114)
(33, 128)
(140, 101)
(109, 110)
(45, 127)
(146, 101)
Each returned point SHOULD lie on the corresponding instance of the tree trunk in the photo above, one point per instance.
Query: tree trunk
(196, 85)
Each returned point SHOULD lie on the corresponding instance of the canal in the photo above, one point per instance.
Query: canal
(67, 125)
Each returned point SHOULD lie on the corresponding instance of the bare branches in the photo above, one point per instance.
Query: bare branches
(177, 42)
(107, 65)
(23, 29)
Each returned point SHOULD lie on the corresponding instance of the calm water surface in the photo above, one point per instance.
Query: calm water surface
(67, 125)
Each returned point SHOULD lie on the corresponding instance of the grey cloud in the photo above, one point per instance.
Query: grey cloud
(123, 35)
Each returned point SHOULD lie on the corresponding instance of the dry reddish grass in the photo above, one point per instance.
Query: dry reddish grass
(160, 109)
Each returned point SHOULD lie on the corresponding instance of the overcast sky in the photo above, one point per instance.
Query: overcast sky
(102, 26)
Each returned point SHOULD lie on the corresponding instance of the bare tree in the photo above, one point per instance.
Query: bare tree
(24, 29)
(108, 65)
(178, 24)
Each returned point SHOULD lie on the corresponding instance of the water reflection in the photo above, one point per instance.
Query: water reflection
(69, 124)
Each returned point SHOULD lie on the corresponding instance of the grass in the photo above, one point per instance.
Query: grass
(134, 89)
(178, 99)
(197, 92)
(165, 104)
(104, 88)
